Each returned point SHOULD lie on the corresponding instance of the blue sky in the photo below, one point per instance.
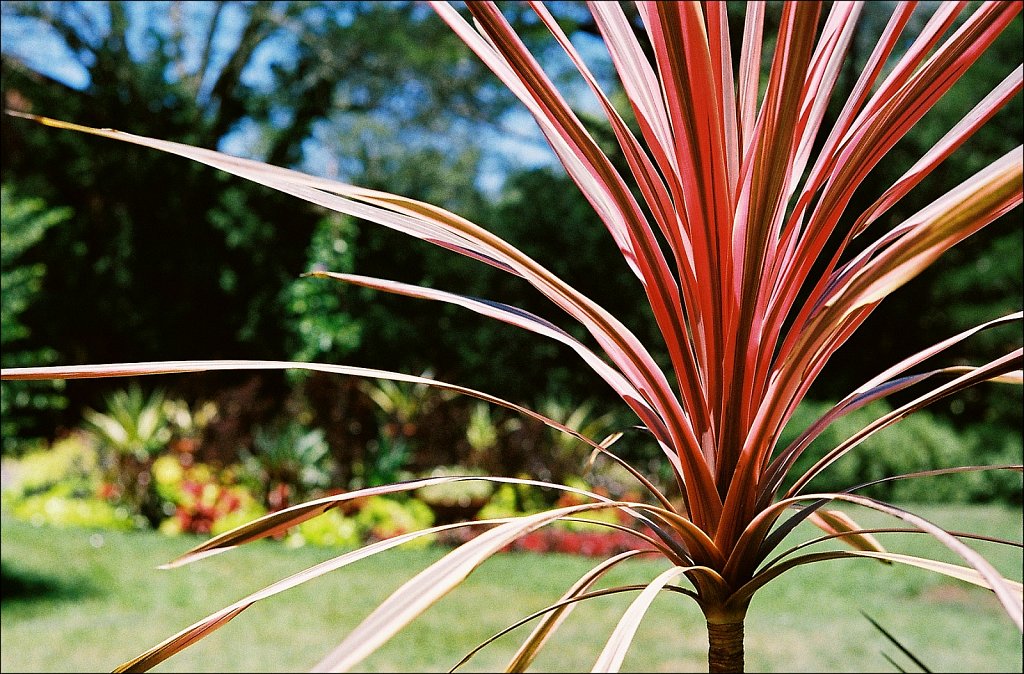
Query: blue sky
(41, 48)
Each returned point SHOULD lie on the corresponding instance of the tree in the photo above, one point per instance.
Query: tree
(219, 74)
(24, 223)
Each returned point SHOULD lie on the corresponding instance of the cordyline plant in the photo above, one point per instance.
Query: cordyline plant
(734, 219)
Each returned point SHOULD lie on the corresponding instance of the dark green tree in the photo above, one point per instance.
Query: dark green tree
(977, 280)
(258, 78)
(23, 223)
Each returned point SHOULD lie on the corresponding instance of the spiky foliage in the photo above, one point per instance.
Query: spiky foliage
(742, 243)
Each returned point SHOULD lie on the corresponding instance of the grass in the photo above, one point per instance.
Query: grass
(76, 600)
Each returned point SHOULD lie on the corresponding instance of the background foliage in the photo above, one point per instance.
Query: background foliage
(25, 221)
(382, 95)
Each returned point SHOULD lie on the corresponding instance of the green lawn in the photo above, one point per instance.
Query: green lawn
(75, 600)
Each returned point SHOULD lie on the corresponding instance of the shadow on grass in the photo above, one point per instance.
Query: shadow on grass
(19, 585)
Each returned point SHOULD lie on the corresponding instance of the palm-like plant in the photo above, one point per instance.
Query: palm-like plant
(739, 241)
(134, 429)
(133, 425)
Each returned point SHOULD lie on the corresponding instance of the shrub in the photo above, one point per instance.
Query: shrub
(319, 329)
(60, 508)
(134, 425)
(62, 485)
(24, 223)
(400, 407)
(381, 518)
(920, 442)
(332, 530)
(589, 543)
(132, 431)
(199, 499)
(513, 500)
(188, 424)
(70, 462)
(455, 501)
(289, 461)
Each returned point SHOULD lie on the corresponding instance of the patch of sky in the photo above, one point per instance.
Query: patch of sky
(318, 159)
(516, 142)
(344, 13)
(281, 117)
(512, 143)
(195, 20)
(145, 21)
(277, 52)
(228, 33)
(43, 50)
(319, 14)
(245, 139)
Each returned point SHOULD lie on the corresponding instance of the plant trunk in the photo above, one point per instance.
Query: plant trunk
(725, 646)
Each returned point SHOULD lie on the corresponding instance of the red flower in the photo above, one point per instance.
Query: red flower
(277, 499)
(535, 541)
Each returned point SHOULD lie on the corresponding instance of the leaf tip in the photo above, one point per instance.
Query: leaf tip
(22, 114)
(193, 556)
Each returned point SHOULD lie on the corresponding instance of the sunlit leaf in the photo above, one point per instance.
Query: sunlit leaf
(520, 662)
(431, 584)
(842, 525)
(615, 649)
